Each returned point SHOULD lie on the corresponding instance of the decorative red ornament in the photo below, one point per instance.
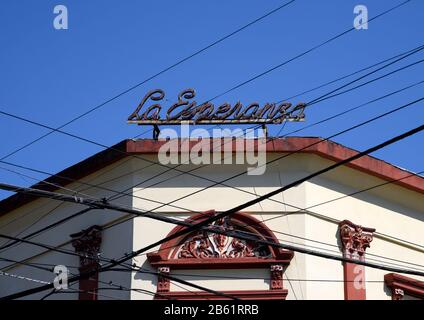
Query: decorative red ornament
(87, 245)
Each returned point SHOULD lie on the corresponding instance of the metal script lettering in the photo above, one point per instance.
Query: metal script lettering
(186, 110)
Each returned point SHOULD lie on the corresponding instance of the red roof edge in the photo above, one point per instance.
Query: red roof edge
(67, 176)
(324, 148)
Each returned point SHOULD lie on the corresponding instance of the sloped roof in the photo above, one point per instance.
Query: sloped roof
(324, 148)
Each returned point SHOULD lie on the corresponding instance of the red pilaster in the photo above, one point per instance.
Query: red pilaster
(164, 284)
(87, 245)
(276, 277)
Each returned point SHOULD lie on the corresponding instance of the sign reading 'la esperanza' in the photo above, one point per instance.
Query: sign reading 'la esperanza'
(186, 110)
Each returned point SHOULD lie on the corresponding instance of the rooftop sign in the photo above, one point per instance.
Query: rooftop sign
(186, 110)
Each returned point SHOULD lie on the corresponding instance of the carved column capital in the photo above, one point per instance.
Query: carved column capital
(355, 239)
(87, 245)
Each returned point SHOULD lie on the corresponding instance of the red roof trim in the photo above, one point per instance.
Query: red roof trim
(67, 176)
(326, 149)
(410, 286)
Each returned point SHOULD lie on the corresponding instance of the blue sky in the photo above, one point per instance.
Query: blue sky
(51, 75)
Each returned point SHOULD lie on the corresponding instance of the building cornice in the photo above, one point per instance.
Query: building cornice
(310, 145)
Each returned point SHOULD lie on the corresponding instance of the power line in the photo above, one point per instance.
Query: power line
(101, 145)
(403, 55)
(238, 208)
(224, 214)
(175, 168)
(82, 201)
(348, 75)
(289, 154)
(287, 241)
(152, 77)
(233, 88)
(32, 224)
(68, 252)
(333, 117)
(161, 203)
(370, 20)
(332, 200)
(72, 199)
(60, 204)
(328, 95)
(368, 82)
(175, 279)
(209, 275)
(72, 290)
(306, 52)
(314, 101)
(107, 189)
(139, 269)
(354, 108)
(35, 265)
(50, 226)
(291, 235)
(15, 276)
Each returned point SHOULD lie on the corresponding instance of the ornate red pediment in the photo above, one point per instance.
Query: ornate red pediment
(208, 246)
(206, 250)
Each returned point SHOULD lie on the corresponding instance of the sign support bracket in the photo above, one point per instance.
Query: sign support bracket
(156, 132)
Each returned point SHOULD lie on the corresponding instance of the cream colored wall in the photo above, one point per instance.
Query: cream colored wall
(174, 185)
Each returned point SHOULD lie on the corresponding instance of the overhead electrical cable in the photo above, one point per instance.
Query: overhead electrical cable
(68, 252)
(233, 88)
(402, 56)
(214, 43)
(142, 158)
(306, 52)
(240, 207)
(351, 128)
(222, 182)
(119, 193)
